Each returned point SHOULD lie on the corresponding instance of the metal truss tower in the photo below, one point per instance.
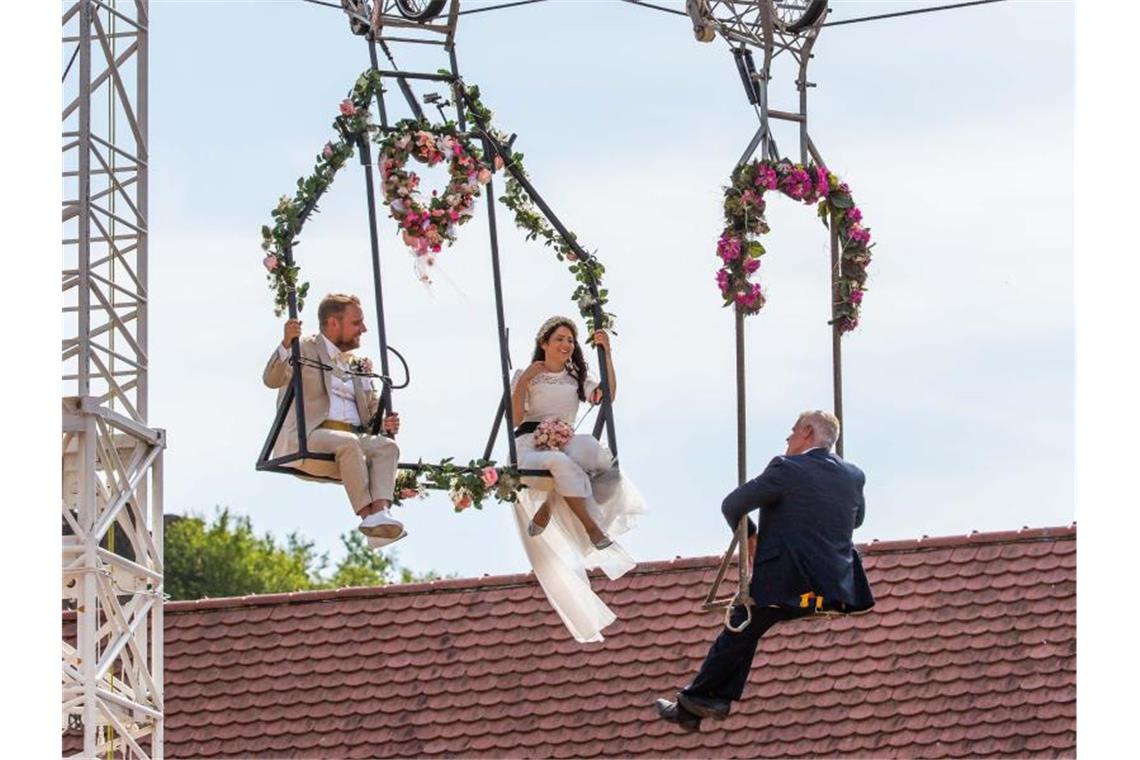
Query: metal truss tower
(111, 457)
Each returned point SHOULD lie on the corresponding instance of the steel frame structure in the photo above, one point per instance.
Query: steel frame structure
(111, 456)
(383, 19)
(748, 24)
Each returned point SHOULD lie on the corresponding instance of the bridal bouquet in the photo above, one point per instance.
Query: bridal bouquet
(552, 434)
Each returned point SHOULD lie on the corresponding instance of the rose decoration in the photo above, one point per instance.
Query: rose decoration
(552, 434)
(425, 226)
(744, 207)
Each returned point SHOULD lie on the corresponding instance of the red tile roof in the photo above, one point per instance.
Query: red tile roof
(970, 651)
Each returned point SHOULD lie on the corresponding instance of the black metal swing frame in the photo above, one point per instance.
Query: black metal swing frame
(292, 400)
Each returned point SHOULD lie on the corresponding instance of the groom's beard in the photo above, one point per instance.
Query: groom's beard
(348, 345)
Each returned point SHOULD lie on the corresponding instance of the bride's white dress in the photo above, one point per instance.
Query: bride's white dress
(562, 553)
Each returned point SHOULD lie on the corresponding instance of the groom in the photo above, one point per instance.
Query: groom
(810, 502)
(338, 406)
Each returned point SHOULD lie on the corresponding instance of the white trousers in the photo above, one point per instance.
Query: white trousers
(367, 463)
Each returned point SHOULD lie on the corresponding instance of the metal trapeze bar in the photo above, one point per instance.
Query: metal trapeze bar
(275, 430)
(504, 349)
(495, 429)
(402, 81)
(385, 405)
(836, 337)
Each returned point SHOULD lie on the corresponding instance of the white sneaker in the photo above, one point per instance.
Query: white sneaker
(381, 525)
(377, 543)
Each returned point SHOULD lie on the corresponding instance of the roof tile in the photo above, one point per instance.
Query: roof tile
(970, 652)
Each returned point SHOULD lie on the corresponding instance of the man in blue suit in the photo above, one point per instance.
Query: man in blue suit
(804, 561)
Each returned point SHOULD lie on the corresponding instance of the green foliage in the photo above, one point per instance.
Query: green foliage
(290, 214)
(224, 557)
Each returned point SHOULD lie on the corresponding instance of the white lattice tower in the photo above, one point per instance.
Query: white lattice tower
(111, 457)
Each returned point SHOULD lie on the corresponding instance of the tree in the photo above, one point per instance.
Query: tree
(363, 566)
(226, 558)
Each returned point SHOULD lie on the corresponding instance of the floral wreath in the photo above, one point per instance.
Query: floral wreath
(744, 206)
(425, 228)
(353, 121)
(466, 486)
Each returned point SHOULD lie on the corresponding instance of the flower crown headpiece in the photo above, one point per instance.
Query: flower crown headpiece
(552, 322)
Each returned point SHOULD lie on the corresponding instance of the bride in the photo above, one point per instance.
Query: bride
(567, 522)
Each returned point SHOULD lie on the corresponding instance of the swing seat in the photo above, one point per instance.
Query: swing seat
(315, 470)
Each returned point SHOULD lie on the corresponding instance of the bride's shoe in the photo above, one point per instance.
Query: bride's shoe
(534, 529)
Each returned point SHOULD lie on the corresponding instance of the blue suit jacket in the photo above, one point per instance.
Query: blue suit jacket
(809, 504)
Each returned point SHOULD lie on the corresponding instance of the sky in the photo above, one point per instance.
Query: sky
(954, 131)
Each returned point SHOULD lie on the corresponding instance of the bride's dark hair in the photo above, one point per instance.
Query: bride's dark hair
(577, 365)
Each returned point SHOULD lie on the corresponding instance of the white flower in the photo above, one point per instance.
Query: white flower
(586, 301)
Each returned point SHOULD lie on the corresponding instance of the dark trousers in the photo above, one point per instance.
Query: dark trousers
(724, 672)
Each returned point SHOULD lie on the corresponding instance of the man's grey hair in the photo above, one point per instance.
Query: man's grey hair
(824, 425)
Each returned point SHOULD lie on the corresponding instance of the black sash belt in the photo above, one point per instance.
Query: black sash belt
(526, 427)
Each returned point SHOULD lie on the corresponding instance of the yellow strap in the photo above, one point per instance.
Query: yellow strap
(806, 599)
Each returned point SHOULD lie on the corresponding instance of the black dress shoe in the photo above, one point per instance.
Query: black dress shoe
(674, 713)
(705, 707)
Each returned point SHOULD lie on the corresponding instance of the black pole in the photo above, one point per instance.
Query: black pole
(380, 95)
(378, 289)
(402, 80)
(579, 252)
(836, 336)
(741, 425)
(278, 423)
(459, 109)
(495, 428)
(295, 359)
(504, 349)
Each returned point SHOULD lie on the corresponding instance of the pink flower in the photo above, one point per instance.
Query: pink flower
(408, 493)
(461, 499)
(328, 151)
(859, 234)
(453, 215)
(766, 177)
(722, 279)
(856, 296)
(854, 215)
(797, 184)
(728, 248)
(571, 256)
(490, 476)
(821, 185)
(552, 434)
(498, 162)
(751, 265)
(484, 176)
(270, 262)
(752, 299)
(347, 108)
